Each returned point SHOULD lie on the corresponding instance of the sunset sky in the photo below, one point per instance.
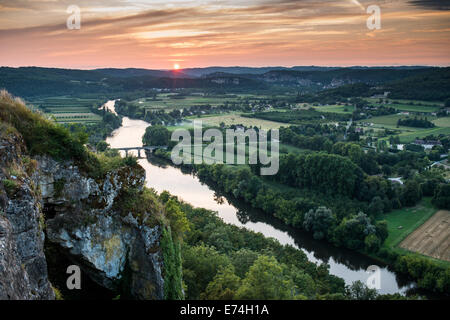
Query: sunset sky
(160, 34)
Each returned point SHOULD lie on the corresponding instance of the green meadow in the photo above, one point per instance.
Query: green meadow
(410, 105)
(408, 137)
(409, 134)
(403, 221)
(335, 108)
(172, 101)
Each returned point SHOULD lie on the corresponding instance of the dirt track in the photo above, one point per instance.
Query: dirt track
(432, 238)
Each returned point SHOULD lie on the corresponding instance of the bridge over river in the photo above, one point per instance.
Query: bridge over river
(150, 149)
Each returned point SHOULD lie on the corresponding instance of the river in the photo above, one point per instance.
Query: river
(349, 265)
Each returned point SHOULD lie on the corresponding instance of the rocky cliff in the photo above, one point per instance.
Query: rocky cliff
(23, 268)
(103, 241)
(87, 218)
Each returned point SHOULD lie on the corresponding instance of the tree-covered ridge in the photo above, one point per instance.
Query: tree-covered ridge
(406, 83)
(347, 75)
(426, 85)
(429, 86)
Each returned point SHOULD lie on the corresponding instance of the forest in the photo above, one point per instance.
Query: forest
(416, 83)
(224, 262)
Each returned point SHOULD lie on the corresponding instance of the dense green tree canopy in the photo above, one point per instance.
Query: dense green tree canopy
(156, 136)
(442, 196)
(223, 286)
(265, 281)
(319, 222)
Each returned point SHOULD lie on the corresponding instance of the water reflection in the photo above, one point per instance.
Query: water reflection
(341, 260)
(344, 263)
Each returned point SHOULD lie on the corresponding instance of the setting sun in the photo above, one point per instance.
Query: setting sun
(176, 66)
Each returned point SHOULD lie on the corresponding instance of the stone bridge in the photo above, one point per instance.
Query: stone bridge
(150, 149)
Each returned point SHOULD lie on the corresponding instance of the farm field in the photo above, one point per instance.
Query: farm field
(442, 122)
(424, 103)
(408, 137)
(184, 125)
(62, 110)
(63, 101)
(336, 109)
(404, 105)
(76, 117)
(168, 102)
(68, 110)
(409, 105)
(404, 221)
(247, 150)
(409, 134)
(230, 119)
(389, 120)
(414, 108)
(432, 238)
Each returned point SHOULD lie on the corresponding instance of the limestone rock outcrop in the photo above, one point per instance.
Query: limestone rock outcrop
(56, 201)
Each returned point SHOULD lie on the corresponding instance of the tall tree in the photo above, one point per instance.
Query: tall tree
(156, 136)
(265, 281)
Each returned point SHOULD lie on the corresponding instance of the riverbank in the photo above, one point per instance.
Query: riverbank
(432, 277)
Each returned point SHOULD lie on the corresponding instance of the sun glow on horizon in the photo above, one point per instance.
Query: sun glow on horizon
(176, 66)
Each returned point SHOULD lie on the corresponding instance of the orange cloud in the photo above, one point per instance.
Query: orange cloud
(154, 34)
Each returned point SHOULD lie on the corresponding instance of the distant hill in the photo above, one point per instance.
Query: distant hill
(145, 82)
(133, 72)
(431, 84)
(425, 83)
(199, 72)
(339, 77)
(34, 81)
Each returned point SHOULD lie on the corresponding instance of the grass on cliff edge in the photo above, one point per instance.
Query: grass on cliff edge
(44, 137)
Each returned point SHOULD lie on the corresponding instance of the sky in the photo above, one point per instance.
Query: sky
(158, 34)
